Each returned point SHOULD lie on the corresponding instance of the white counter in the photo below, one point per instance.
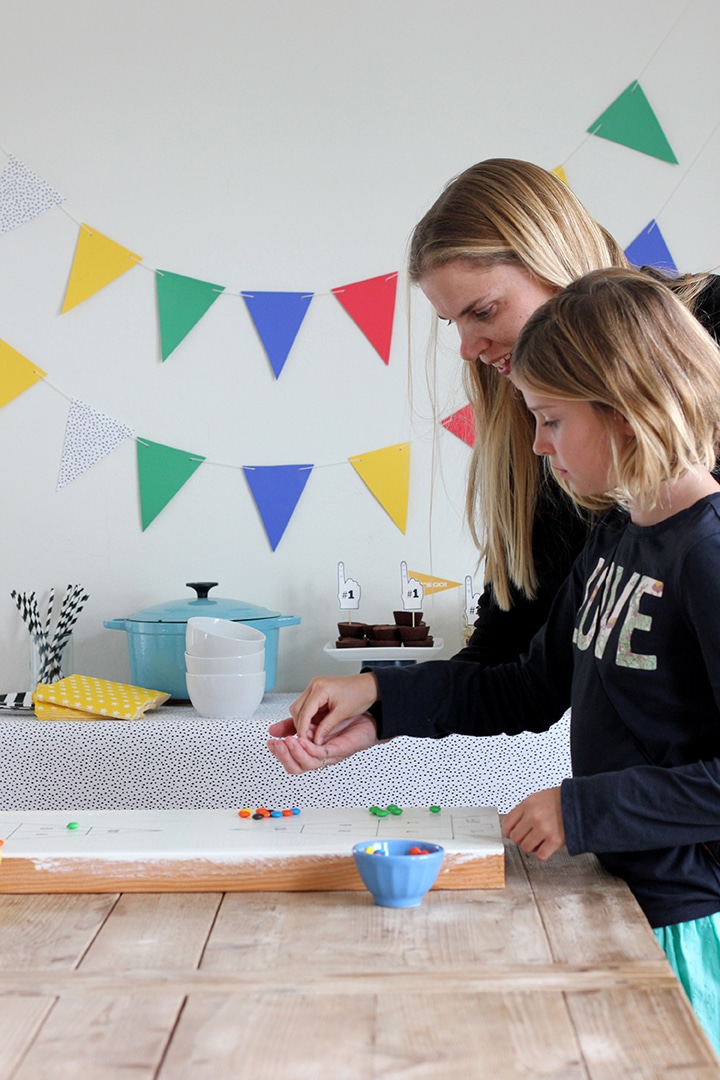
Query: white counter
(175, 760)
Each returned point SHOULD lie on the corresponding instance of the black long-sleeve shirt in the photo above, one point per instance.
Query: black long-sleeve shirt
(632, 642)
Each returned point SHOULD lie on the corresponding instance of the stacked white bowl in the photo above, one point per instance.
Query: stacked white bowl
(225, 668)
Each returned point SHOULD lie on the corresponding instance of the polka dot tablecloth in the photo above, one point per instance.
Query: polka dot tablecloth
(174, 760)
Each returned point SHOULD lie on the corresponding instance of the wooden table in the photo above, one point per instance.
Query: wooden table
(555, 976)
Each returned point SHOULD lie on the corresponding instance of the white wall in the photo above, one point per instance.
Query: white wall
(289, 146)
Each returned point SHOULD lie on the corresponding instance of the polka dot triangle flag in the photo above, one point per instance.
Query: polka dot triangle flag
(276, 490)
(649, 249)
(98, 261)
(277, 317)
(23, 195)
(162, 471)
(85, 697)
(182, 302)
(631, 121)
(89, 436)
(371, 305)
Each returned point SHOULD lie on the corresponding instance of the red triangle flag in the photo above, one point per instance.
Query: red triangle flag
(462, 424)
(371, 305)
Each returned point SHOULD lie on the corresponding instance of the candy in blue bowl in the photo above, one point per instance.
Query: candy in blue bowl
(398, 873)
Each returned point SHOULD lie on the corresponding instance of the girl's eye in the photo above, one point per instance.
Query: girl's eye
(486, 313)
(550, 423)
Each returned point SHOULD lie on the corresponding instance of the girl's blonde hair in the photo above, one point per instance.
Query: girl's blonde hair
(504, 211)
(623, 342)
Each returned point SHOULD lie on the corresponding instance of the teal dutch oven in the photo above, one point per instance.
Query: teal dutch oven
(156, 636)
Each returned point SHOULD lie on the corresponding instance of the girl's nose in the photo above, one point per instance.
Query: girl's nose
(540, 443)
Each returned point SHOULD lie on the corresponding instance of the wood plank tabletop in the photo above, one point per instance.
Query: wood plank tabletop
(557, 975)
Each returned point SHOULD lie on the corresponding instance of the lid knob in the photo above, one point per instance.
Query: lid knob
(202, 588)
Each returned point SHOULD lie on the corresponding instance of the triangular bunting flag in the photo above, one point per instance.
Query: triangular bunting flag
(276, 490)
(462, 424)
(23, 195)
(98, 261)
(387, 473)
(162, 471)
(649, 249)
(631, 122)
(277, 317)
(371, 305)
(17, 374)
(560, 173)
(89, 436)
(182, 302)
(434, 584)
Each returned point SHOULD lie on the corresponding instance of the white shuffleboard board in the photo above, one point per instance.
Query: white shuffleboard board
(199, 850)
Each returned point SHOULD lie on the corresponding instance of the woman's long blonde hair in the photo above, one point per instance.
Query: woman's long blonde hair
(623, 342)
(504, 211)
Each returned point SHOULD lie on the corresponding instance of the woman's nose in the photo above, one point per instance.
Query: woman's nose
(472, 346)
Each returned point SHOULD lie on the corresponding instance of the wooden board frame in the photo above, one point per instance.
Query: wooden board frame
(198, 851)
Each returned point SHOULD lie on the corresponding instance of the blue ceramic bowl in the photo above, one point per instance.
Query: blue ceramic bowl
(394, 877)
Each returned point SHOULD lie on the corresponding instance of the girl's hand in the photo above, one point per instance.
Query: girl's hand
(328, 702)
(298, 755)
(536, 824)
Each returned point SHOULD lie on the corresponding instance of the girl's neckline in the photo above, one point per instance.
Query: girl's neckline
(681, 495)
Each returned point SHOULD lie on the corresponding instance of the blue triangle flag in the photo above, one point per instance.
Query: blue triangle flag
(649, 249)
(277, 317)
(276, 490)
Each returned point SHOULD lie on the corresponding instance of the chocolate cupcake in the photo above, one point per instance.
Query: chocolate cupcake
(350, 643)
(407, 618)
(386, 632)
(411, 635)
(351, 629)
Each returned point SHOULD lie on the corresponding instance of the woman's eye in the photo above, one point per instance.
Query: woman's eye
(486, 313)
(550, 423)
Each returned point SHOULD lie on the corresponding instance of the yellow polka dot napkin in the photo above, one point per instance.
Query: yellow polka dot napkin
(83, 697)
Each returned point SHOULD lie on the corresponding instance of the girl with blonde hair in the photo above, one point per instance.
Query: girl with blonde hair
(502, 238)
(622, 386)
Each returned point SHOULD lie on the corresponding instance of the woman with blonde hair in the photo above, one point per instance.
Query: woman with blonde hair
(502, 238)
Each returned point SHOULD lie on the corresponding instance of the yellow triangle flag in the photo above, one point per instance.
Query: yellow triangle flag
(98, 261)
(17, 374)
(559, 171)
(387, 473)
(434, 584)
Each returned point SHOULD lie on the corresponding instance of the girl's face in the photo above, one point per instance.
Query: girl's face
(489, 305)
(577, 439)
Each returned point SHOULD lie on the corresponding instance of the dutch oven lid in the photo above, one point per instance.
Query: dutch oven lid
(179, 611)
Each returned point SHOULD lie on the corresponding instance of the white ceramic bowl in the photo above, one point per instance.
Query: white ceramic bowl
(225, 665)
(226, 697)
(221, 637)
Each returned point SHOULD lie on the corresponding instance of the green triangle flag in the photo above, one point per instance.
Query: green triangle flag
(182, 302)
(162, 471)
(631, 122)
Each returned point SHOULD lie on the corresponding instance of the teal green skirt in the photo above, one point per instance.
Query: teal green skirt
(693, 949)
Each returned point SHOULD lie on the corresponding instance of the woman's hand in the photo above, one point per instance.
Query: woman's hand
(536, 824)
(299, 755)
(330, 701)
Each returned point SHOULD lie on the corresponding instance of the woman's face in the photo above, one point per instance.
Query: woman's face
(489, 305)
